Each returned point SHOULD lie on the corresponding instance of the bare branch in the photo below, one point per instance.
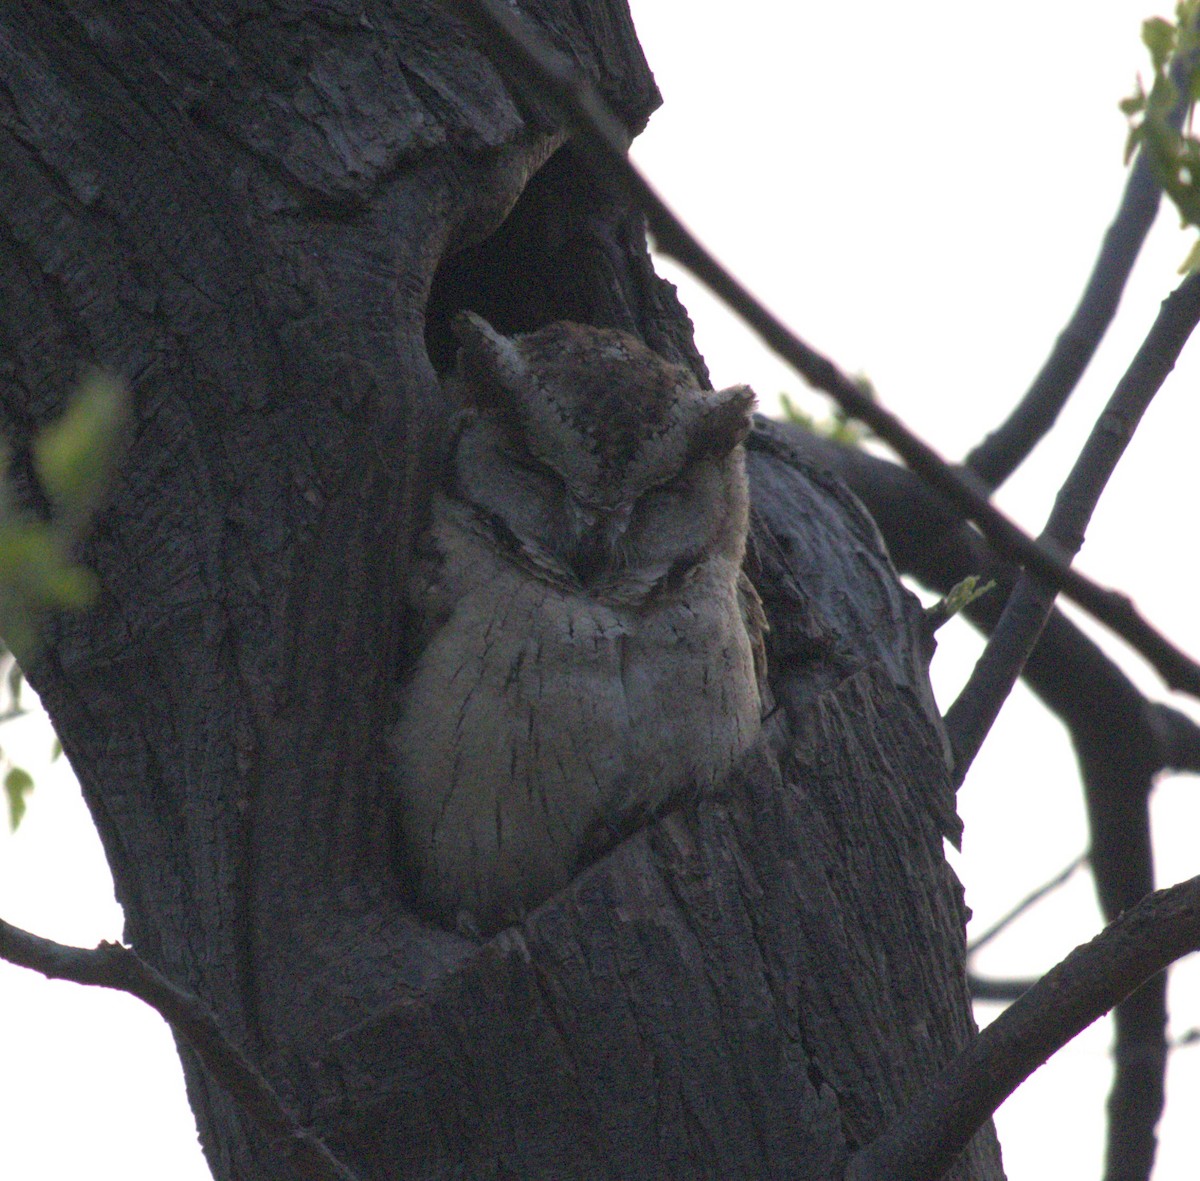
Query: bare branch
(1007, 447)
(1118, 763)
(1138, 1093)
(932, 545)
(971, 716)
(527, 57)
(112, 966)
(1117, 793)
(924, 1140)
(1002, 989)
(1118, 777)
(1031, 899)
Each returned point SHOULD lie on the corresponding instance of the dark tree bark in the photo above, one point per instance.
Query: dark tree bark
(263, 216)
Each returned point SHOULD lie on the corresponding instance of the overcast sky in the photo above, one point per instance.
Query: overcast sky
(919, 190)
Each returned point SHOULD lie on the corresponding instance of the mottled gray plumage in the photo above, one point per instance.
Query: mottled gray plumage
(593, 645)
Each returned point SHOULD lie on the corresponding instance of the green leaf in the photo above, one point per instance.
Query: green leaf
(35, 573)
(1159, 37)
(1162, 97)
(17, 784)
(1173, 156)
(1192, 262)
(961, 595)
(1133, 105)
(793, 413)
(72, 587)
(35, 577)
(74, 456)
(1131, 143)
(837, 427)
(964, 593)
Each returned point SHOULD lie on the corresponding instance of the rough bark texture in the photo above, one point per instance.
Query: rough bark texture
(262, 216)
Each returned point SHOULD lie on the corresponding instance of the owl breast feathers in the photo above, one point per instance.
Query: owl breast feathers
(594, 648)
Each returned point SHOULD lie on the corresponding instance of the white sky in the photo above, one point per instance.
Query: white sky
(919, 190)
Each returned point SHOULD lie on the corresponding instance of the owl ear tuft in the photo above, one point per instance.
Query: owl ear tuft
(490, 365)
(724, 424)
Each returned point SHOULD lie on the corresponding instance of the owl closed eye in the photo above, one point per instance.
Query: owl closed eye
(601, 461)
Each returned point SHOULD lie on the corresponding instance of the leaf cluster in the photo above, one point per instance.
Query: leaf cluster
(73, 459)
(838, 426)
(1173, 153)
(17, 781)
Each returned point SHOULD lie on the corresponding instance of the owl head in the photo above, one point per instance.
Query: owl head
(596, 460)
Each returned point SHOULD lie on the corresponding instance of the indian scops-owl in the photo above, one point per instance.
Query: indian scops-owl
(593, 645)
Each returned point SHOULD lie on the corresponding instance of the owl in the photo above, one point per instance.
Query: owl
(593, 647)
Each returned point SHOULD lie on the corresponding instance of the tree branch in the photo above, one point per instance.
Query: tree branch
(1118, 763)
(1009, 445)
(1031, 899)
(1178, 736)
(112, 966)
(529, 59)
(1117, 793)
(971, 716)
(1001, 989)
(934, 546)
(923, 1141)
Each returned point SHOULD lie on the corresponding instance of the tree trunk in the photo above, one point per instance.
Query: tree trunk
(262, 216)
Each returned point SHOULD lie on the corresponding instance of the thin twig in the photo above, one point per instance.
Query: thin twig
(112, 966)
(1002, 924)
(604, 140)
(1009, 445)
(999, 989)
(923, 1141)
(970, 717)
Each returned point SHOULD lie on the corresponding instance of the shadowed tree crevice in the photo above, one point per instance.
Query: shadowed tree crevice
(568, 250)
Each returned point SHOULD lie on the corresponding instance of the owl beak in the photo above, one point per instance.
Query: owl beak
(598, 533)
